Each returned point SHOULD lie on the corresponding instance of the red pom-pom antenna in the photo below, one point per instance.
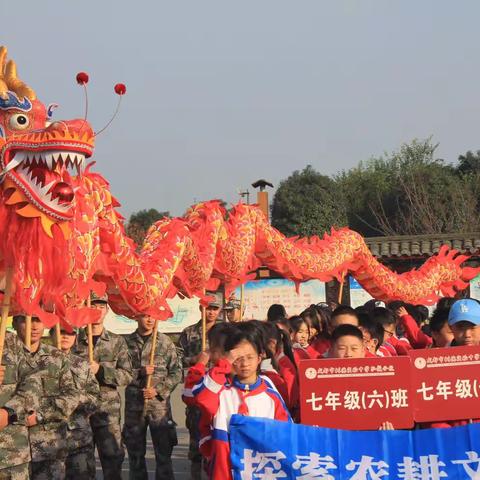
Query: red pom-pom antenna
(120, 89)
(82, 78)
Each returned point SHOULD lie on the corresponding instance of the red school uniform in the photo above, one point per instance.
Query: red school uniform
(401, 345)
(267, 370)
(219, 400)
(320, 346)
(194, 376)
(417, 338)
(386, 350)
(300, 353)
(288, 372)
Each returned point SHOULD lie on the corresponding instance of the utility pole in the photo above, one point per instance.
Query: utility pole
(244, 194)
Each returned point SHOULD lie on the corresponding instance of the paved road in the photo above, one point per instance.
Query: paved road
(181, 464)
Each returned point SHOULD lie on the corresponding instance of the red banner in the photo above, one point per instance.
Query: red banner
(356, 394)
(446, 383)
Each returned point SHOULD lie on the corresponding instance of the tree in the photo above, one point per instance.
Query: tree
(469, 163)
(139, 222)
(410, 192)
(307, 203)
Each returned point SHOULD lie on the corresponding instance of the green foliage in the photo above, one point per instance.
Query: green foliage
(392, 194)
(407, 192)
(140, 222)
(469, 163)
(307, 203)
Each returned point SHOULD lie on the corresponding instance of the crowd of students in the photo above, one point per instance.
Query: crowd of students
(57, 404)
(251, 367)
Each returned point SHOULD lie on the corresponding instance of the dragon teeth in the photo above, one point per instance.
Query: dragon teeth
(50, 159)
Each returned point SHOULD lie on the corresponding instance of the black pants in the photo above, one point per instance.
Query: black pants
(164, 438)
(108, 440)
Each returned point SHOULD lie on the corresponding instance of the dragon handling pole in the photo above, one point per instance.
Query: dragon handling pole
(5, 308)
(28, 332)
(152, 355)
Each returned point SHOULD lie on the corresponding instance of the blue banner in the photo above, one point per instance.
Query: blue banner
(268, 449)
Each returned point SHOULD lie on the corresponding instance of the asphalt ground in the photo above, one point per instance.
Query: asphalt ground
(181, 464)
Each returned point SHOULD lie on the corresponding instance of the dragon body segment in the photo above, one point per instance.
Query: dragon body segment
(62, 237)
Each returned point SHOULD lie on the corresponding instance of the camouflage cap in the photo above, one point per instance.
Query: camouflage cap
(217, 301)
(94, 298)
(232, 305)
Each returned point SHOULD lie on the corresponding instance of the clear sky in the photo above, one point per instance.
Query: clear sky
(221, 93)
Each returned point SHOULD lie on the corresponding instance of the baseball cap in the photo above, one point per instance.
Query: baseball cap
(465, 310)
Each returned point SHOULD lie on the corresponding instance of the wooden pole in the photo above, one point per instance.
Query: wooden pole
(58, 336)
(340, 292)
(90, 335)
(204, 328)
(242, 301)
(152, 352)
(5, 307)
(28, 332)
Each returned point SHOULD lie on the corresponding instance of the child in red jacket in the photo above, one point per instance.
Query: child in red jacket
(247, 394)
(300, 337)
(217, 336)
(464, 320)
(440, 331)
(391, 344)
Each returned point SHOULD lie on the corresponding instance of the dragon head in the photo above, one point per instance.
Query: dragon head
(40, 160)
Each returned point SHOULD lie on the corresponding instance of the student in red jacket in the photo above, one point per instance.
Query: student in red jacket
(318, 318)
(372, 334)
(348, 342)
(464, 320)
(300, 336)
(269, 368)
(271, 338)
(286, 363)
(217, 336)
(342, 315)
(247, 394)
(441, 334)
(394, 344)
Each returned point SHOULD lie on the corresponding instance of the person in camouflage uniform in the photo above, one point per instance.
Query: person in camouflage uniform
(17, 402)
(190, 343)
(113, 369)
(57, 399)
(150, 407)
(80, 462)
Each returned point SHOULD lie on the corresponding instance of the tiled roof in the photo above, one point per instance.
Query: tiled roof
(422, 245)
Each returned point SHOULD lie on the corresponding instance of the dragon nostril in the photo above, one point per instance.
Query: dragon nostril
(63, 191)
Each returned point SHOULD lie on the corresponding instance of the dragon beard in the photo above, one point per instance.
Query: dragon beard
(40, 263)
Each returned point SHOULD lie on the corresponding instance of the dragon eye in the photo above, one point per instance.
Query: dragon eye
(19, 121)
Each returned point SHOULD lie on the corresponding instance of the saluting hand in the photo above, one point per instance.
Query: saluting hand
(233, 355)
(149, 393)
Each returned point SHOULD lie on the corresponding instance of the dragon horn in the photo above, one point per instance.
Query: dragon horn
(3, 84)
(15, 84)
